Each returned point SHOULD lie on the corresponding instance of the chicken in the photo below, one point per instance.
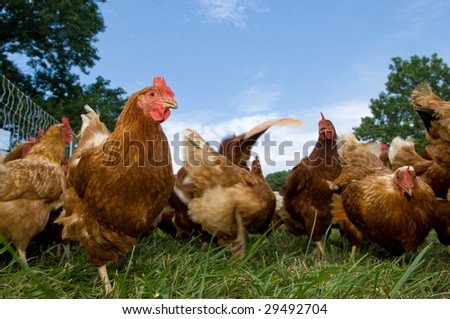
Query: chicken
(22, 149)
(384, 154)
(238, 148)
(307, 196)
(30, 187)
(121, 186)
(402, 153)
(435, 114)
(235, 148)
(282, 220)
(358, 161)
(92, 134)
(179, 200)
(228, 201)
(441, 222)
(392, 209)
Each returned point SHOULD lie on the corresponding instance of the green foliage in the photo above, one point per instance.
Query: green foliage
(392, 113)
(277, 179)
(43, 47)
(109, 102)
(53, 36)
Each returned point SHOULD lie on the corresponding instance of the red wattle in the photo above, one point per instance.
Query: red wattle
(160, 114)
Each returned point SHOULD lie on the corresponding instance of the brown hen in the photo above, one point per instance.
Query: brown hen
(307, 196)
(394, 210)
(237, 149)
(121, 186)
(227, 201)
(31, 187)
(435, 115)
(402, 153)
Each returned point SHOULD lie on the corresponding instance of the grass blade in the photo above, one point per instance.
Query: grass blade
(416, 262)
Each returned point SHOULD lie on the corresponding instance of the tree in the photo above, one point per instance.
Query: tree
(109, 102)
(277, 179)
(392, 112)
(45, 44)
(53, 37)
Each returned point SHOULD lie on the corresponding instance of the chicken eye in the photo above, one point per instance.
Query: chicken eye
(152, 93)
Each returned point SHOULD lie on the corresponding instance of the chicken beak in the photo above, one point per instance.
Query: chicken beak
(408, 190)
(170, 104)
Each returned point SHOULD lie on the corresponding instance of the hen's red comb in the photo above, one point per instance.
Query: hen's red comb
(383, 146)
(65, 121)
(323, 117)
(161, 83)
(40, 132)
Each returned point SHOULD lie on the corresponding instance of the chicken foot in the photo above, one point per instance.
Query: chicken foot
(239, 247)
(319, 246)
(105, 279)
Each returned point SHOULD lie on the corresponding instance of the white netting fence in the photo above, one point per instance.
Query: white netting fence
(20, 117)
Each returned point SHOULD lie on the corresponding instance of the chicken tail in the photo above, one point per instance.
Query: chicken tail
(89, 109)
(238, 148)
(428, 105)
(86, 119)
(194, 139)
(402, 153)
(198, 153)
(261, 128)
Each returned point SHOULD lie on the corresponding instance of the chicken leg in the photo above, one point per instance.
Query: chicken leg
(22, 255)
(105, 279)
(353, 253)
(240, 243)
(319, 246)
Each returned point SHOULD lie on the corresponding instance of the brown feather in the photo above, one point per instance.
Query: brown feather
(307, 196)
(435, 114)
(384, 215)
(30, 188)
(403, 153)
(442, 222)
(121, 186)
(238, 148)
(221, 190)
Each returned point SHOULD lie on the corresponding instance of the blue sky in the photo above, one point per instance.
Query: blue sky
(234, 64)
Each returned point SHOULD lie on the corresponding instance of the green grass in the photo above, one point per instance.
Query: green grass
(279, 266)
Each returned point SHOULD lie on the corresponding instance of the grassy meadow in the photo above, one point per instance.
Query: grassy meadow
(279, 266)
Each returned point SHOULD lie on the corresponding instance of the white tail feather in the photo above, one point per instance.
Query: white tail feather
(397, 144)
(89, 109)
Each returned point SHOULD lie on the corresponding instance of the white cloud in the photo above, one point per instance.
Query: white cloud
(346, 115)
(212, 132)
(257, 98)
(287, 144)
(229, 11)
